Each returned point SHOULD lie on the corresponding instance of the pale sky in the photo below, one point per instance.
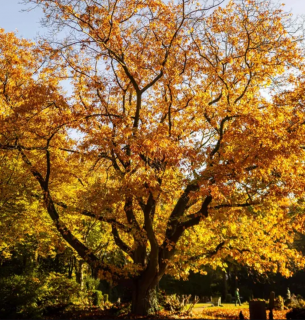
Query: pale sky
(28, 23)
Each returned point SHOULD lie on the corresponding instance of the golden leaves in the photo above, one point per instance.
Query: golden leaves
(163, 99)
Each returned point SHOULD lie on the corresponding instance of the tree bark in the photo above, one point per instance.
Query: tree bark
(79, 268)
(144, 299)
(225, 286)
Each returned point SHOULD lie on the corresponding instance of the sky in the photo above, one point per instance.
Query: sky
(28, 23)
(13, 19)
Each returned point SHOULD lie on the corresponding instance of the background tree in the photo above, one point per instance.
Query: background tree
(178, 156)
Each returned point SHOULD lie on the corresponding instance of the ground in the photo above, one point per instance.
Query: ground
(201, 311)
(228, 311)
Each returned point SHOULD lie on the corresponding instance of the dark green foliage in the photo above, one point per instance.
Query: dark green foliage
(247, 294)
(104, 286)
(119, 291)
(31, 296)
(60, 288)
(91, 283)
(152, 301)
(19, 295)
(228, 298)
(97, 297)
(197, 284)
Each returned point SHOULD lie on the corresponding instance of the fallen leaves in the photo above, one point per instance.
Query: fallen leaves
(223, 313)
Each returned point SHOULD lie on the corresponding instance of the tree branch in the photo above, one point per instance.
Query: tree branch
(76, 244)
(179, 209)
(119, 242)
(98, 217)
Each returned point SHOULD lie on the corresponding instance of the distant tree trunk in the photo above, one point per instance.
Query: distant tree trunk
(225, 285)
(235, 278)
(79, 267)
(71, 266)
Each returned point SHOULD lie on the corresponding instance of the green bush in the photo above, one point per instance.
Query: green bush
(31, 296)
(106, 299)
(60, 289)
(92, 284)
(19, 295)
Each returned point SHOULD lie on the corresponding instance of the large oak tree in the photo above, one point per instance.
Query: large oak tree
(182, 139)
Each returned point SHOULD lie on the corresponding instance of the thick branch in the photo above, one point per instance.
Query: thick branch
(138, 233)
(138, 109)
(221, 132)
(173, 237)
(195, 218)
(119, 242)
(208, 254)
(149, 211)
(48, 168)
(76, 244)
(237, 205)
(179, 209)
(98, 217)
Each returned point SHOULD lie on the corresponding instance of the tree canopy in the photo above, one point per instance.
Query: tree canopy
(181, 143)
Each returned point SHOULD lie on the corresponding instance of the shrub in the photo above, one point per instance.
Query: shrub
(59, 289)
(92, 284)
(106, 297)
(19, 295)
(161, 297)
(279, 303)
(176, 303)
(301, 303)
(295, 302)
(173, 303)
(31, 296)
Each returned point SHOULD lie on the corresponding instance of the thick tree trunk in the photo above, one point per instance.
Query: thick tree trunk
(144, 299)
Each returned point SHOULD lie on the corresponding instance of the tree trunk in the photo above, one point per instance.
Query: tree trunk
(225, 286)
(144, 299)
(79, 267)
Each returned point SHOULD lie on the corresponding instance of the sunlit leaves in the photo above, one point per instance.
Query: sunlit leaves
(181, 138)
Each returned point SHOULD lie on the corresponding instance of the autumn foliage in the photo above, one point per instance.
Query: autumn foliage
(181, 144)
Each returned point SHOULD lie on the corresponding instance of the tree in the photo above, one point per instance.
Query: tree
(168, 142)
